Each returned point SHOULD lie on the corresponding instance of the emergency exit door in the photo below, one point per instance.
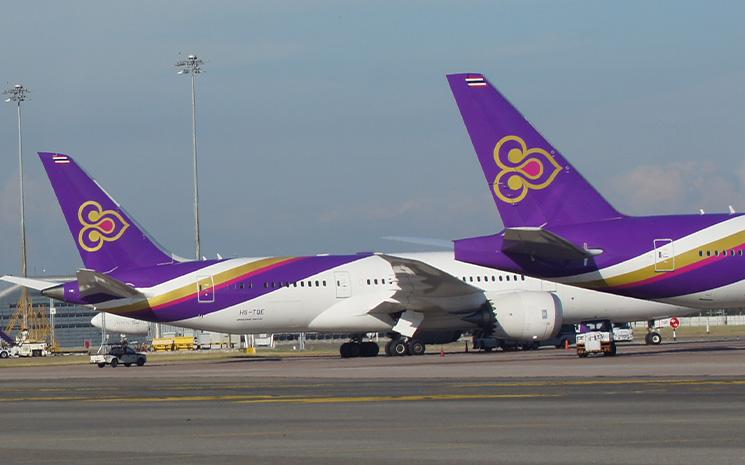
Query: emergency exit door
(205, 289)
(664, 255)
(343, 284)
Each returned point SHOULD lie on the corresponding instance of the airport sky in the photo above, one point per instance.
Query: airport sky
(324, 126)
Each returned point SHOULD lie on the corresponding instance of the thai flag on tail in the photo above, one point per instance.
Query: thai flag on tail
(60, 159)
(476, 81)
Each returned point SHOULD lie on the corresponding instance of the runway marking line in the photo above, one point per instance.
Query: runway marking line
(692, 382)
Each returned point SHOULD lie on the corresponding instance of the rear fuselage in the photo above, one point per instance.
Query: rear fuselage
(691, 260)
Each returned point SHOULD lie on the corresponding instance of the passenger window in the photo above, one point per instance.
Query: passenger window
(242, 288)
(470, 278)
(317, 284)
(302, 283)
(500, 278)
(508, 277)
(478, 279)
(700, 253)
(324, 283)
(368, 283)
(523, 277)
(708, 253)
(739, 252)
(266, 285)
(375, 280)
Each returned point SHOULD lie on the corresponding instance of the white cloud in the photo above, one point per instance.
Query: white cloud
(684, 186)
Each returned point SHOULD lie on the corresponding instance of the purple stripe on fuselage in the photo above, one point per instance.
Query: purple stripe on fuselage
(229, 296)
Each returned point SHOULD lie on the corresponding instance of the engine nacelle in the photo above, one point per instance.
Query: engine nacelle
(526, 315)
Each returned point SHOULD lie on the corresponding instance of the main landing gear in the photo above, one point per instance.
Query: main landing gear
(404, 346)
(652, 337)
(357, 348)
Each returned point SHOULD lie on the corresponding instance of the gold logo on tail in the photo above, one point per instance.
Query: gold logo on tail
(521, 169)
(99, 226)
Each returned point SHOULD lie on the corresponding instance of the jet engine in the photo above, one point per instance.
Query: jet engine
(524, 315)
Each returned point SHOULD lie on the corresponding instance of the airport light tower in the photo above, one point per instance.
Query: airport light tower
(18, 94)
(192, 66)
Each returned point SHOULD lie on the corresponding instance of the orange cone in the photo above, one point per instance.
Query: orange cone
(566, 344)
(442, 352)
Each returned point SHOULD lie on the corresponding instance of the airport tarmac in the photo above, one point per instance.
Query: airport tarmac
(670, 404)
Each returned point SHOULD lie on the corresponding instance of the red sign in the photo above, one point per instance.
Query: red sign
(674, 323)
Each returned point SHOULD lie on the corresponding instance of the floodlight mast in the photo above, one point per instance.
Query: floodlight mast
(192, 65)
(18, 94)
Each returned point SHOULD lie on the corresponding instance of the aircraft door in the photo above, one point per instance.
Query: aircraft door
(343, 284)
(205, 289)
(664, 255)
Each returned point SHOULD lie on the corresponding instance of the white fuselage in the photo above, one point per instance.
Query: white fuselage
(354, 297)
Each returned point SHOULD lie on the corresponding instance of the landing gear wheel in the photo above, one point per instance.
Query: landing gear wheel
(655, 338)
(389, 348)
(369, 349)
(400, 348)
(349, 350)
(416, 347)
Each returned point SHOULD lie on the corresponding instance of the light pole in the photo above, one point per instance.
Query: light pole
(18, 94)
(192, 65)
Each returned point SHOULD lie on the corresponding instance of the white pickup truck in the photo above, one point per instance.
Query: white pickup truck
(115, 354)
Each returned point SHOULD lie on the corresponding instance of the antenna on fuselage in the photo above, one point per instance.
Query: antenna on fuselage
(731, 210)
(701, 211)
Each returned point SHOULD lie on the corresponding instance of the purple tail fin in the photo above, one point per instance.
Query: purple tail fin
(532, 184)
(106, 237)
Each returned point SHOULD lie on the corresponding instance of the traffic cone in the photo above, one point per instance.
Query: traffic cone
(566, 344)
(442, 352)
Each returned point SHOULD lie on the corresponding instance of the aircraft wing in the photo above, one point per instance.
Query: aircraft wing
(541, 243)
(425, 295)
(420, 280)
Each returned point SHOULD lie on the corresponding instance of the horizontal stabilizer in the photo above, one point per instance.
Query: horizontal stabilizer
(31, 283)
(540, 243)
(94, 283)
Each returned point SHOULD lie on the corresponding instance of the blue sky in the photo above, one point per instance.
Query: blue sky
(324, 126)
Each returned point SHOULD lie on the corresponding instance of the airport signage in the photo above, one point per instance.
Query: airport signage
(674, 323)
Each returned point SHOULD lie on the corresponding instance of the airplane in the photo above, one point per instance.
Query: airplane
(417, 298)
(558, 227)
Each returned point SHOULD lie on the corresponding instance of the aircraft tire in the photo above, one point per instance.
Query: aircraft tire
(416, 347)
(349, 350)
(400, 348)
(389, 348)
(369, 349)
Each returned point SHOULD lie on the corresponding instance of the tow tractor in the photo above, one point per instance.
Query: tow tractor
(596, 337)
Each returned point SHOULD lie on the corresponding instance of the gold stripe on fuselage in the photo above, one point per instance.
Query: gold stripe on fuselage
(682, 260)
(191, 288)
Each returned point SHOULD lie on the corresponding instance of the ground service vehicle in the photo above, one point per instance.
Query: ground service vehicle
(114, 354)
(596, 337)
